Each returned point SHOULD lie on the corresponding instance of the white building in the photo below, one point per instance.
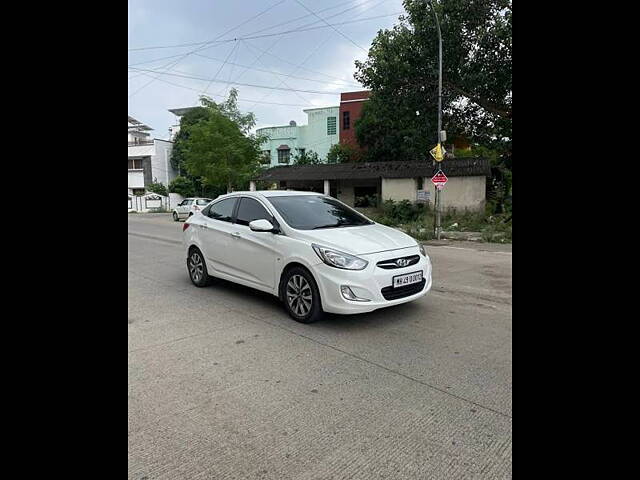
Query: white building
(149, 158)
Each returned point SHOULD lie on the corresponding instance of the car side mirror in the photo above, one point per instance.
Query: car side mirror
(261, 225)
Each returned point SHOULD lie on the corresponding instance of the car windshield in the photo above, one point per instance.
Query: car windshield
(310, 212)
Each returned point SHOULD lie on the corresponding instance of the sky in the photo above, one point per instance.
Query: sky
(215, 42)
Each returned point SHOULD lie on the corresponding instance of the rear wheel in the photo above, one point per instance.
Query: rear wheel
(301, 296)
(197, 268)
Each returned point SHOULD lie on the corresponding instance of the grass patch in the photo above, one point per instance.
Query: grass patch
(418, 221)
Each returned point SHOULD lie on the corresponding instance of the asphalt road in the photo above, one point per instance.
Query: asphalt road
(224, 385)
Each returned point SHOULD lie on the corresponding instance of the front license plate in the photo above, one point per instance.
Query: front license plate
(407, 279)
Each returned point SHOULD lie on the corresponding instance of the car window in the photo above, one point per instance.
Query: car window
(308, 212)
(203, 201)
(250, 210)
(222, 210)
(188, 202)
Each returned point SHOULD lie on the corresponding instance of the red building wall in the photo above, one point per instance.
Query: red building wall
(351, 102)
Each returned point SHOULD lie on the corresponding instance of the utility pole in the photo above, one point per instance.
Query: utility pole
(439, 139)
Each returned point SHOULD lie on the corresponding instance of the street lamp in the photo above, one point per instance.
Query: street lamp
(439, 135)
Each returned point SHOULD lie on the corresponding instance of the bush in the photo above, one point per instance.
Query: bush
(158, 188)
(343, 153)
(182, 186)
(418, 220)
(403, 211)
(306, 158)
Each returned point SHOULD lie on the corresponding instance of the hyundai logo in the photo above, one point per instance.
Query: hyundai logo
(402, 262)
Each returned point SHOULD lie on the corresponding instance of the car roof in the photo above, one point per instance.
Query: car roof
(269, 193)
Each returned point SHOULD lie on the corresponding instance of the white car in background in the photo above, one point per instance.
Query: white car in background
(189, 206)
(312, 251)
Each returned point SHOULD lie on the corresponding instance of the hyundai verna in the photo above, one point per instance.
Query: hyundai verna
(312, 251)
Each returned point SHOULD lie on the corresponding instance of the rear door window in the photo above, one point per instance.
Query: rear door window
(222, 210)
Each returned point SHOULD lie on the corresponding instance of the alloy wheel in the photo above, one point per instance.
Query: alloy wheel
(299, 295)
(196, 269)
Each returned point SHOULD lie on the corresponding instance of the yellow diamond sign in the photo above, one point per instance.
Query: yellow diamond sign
(437, 152)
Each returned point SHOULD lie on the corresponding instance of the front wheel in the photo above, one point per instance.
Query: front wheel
(301, 296)
(197, 268)
(175, 217)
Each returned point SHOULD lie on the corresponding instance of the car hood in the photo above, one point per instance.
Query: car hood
(359, 240)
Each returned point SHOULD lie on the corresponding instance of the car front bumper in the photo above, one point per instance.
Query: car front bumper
(369, 284)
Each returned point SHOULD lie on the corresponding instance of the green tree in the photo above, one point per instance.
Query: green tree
(343, 153)
(306, 158)
(182, 186)
(400, 120)
(190, 118)
(219, 150)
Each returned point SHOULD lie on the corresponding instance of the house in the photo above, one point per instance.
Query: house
(285, 141)
(367, 184)
(149, 158)
(351, 104)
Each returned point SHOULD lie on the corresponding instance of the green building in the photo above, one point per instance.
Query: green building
(286, 141)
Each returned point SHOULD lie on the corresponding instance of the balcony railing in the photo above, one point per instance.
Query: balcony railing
(141, 142)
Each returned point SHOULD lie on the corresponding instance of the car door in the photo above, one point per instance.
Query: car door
(253, 254)
(183, 207)
(216, 228)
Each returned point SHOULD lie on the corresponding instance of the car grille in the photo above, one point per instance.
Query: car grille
(389, 264)
(390, 293)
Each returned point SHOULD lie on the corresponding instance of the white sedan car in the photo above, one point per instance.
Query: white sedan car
(312, 251)
(188, 207)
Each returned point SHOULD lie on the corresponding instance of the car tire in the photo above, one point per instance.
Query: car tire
(197, 268)
(301, 296)
(175, 217)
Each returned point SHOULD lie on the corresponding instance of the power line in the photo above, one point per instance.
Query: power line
(222, 96)
(283, 82)
(236, 83)
(270, 71)
(170, 66)
(311, 54)
(221, 67)
(191, 44)
(235, 57)
(335, 29)
(291, 63)
(296, 30)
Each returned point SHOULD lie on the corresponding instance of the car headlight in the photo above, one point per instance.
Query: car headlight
(422, 250)
(337, 259)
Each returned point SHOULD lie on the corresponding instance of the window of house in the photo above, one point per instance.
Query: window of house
(135, 163)
(283, 156)
(346, 121)
(266, 156)
(250, 210)
(331, 125)
(420, 183)
(365, 196)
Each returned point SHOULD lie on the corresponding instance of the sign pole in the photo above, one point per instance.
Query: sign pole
(438, 160)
